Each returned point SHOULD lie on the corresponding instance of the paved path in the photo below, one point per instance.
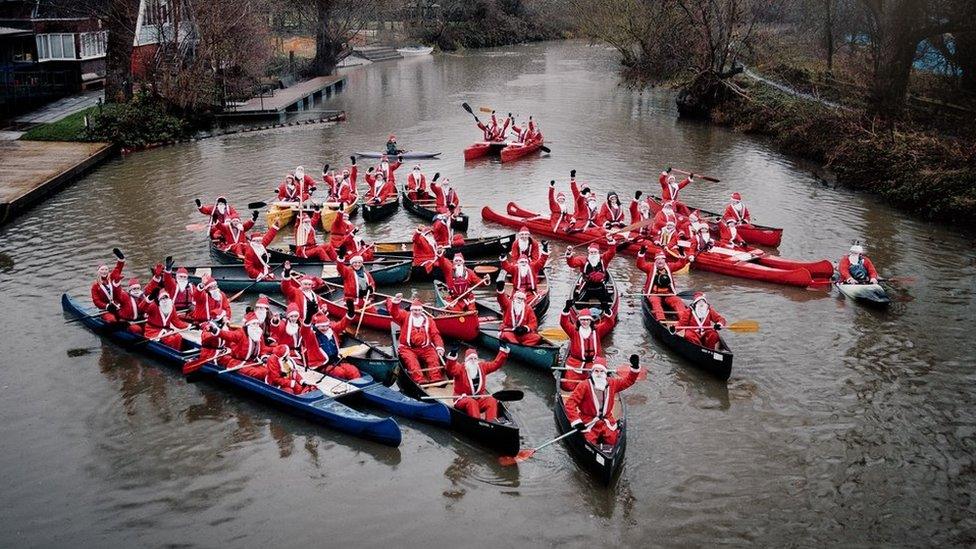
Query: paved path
(61, 108)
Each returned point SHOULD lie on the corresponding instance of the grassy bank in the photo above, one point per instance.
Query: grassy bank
(923, 169)
(70, 128)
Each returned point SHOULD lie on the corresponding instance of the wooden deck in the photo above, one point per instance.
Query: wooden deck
(300, 97)
(32, 170)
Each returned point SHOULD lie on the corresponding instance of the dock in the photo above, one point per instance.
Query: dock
(299, 97)
(33, 170)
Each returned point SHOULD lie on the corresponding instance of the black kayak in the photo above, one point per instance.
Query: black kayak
(424, 210)
(489, 246)
(603, 462)
(373, 212)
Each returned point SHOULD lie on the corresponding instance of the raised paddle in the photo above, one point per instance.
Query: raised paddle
(627, 229)
(251, 285)
(705, 177)
(507, 395)
(748, 326)
(467, 107)
(191, 366)
(362, 314)
(545, 149)
(526, 453)
(256, 205)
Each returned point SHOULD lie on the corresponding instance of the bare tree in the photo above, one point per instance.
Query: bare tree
(335, 23)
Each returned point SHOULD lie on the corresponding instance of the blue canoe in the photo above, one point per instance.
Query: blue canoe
(314, 405)
(233, 277)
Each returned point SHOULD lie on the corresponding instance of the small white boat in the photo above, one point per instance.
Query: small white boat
(414, 51)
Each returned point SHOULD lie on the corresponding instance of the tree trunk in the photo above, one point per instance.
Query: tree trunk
(893, 70)
(121, 25)
(326, 49)
(829, 34)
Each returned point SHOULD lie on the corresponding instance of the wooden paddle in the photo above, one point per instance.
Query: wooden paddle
(251, 285)
(508, 395)
(256, 205)
(748, 326)
(458, 298)
(545, 149)
(620, 371)
(362, 314)
(191, 366)
(526, 453)
(488, 110)
(555, 333)
(705, 177)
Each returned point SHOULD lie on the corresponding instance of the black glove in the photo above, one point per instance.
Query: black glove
(400, 158)
(213, 329)
(668, 170)
(552, 182)
(638, 194)
(453, 355)
(254, 215)
(118, 253)
(286, 273)
(325, 169)
(568, 306)
(169, 263)
(606, 310)
(717, 326)
(545, 246)
(500, 286)
(509, 115)
(635, 362)
(586, 190)
(112, 308)
(672, 329)
(350, 308)
(579, 426)
(197, 202)
(642, 250)
(572, 174)
(521, 330)
(503, 257)
(352, 158)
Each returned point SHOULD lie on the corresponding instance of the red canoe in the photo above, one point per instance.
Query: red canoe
(506, 151)
(759, 235)
(742, 264)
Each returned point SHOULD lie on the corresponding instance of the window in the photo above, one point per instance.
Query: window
(59, 46)
(93, 44)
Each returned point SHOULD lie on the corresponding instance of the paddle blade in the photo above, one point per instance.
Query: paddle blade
(256, 205)
(488, 110)
(710, 178)
(545, 149)
(486, 269)
(467, 107)
(196, 227)
(508, 395)
(744, 326)
(624, 371)
(191, 366)
(554, 333)
(523, 455)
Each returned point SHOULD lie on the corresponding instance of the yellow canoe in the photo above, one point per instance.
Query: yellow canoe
(283, 213)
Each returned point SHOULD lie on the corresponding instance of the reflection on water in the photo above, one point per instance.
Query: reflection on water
(839, 425)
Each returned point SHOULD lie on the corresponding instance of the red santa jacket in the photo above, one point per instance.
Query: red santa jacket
(256, 261)
(669, 191)
(688, 318)
(340, 230)
(512, 319)
(465, 386)
(739, 216)
(205, 307)
(313, 351)
(637, 217)
(104, 292)
(388, 190)
(307, 306)
(353, 285)
(582, 204)
(560, 218)
(532, 252)
(610, 216)
(730, 235)
(445, 202)
(156, 322)
(415, 336)
(417, 184)
(527, 282)
(583, 404)
(241, 347)
(844, 267)
(585, 348)
(457, 285)
(233, 238)
(294, 194)
(441, 232)
(580, 263)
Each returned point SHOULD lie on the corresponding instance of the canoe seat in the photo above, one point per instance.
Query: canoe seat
(440, 389)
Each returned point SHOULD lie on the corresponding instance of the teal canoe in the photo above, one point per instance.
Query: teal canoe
(233, 278)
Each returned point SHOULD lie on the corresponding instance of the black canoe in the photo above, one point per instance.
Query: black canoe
(603, 463)
(481, 266)
(716, 363)
(501, 436)
(373, 212)
(425, 211)
(489, 246)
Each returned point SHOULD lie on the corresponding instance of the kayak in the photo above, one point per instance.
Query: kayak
(377, 212)
(481, 266)
(514, 151)
(715, 362)
(233, 277)
(459, 325)
(868, 294)
(505, 150)
(406, 155)
(315, 405)
(750, 264)
(424, 211)
(759, 235)
(489, 246)
(501, 435)
(603, 462)
(282, 213)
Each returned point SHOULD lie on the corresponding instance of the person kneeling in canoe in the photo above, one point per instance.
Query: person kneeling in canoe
(210, 304)
(594, 276)
(107, 288)
(659, 284)
(561, 220)
(471, 383)
(306, 244)
(357, 282)
(421, 347)
(855, 267)
(459, 279)
(256, 257)
(235, 233)
(525, 274)
(729, 234)
(737, 210)
(611, 215)
(341, 228)
(525, 245)
(700, 323)
(519, 324)
(592, 401)
(584, 342)
(446, 199)
(323, 343)
(417, 183)
(282, 372)
(218, 212)
(244, 345)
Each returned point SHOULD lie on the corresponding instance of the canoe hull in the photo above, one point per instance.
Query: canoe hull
(760, 235)
(872, 295)
(378, 212)
(716, 363)
(543, 356)
(458, 222)
(233, 278)
(514, 151)
(603, 466)
(408, 155)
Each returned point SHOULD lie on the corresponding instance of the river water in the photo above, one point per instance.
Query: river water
(840, 425)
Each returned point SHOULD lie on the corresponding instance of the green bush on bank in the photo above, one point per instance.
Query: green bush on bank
(142, 121)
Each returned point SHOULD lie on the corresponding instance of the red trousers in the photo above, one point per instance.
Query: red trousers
(109, 318)
(474, 407)
(708, 339)
(530, 338)
(319, 253)
(342, 370)
(673, 301)
(425, 359)
(570, 378)
(601, 434)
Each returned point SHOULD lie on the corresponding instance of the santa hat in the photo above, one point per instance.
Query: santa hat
(251, 318)
(221, 199)
(416, 305)
(857, 249)
(356, 258)
(134, 282)
(263, 301)
(208, 282)
(584, 315)
(736, 196)
(699, 296)
(162, 294)
(416, 166)
(520, 294)
(182, 271)
(292, 310)
(320, 318)
(593, 248)
(458, 257)
(392, 137)
(560, 195)
(599, 363)
(523, 230)
(281, 351)
(470, 352)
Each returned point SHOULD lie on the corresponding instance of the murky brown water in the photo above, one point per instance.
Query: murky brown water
(839, 426)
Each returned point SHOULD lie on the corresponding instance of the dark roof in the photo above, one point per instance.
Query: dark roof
(7, 32)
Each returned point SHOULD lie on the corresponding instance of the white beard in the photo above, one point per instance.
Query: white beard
(254, 333)
(523, 245)
(166, 308)
(302, 234)
(701, 310)
(291, 328)
(737, 207)
(667, 212)
(258, 248)
(645, 214)
(523, 270)
(261, 313)
(562, 207)
(519, 309)
(181, 284)
(585, 331)
(593, 260)
(600, 381)
(458, 271)
(384, 166)
(221, 209)
(471, 368)
(853, 259)
(215, 294)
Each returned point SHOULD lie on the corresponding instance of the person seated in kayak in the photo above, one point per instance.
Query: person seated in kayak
(584, 342)
(459, 279)
(728, 234)
(178, 285)
(700, 323)
(281, 371)
(256, 257)
(659, 285)
(670, 189)
(525, 245)
(561, 219)
(357, 282)
(210, 304)
(162, 321)
(667, 240)
(387, 169)
(391, 146)
(234, 233)
(306, 245)
(443, 233)
(219, 213)
(589, 407)
(323, 344)
(243, 345)
(299, 290)
(640, 213)
(420, 345)
(611, 214)
(380, 189)
(305, 182)
(107, 288)
(592, 283)
(424, 248)
(289, 191)
(856, 268)
(525, 273)
(528, 134)
(586, 207)
(663, 216)
(288, 330)
(702, 242)
(446, 198)
(342, 188)
(492, 132)
(519, 323)
(471, 379)
(341, 228)
(417, 183)
(737, 210)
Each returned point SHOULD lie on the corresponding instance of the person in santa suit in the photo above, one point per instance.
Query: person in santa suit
(380, 189)
(106, 287)
(527, 134)
(162, 322)
(611, 215)
(640, 212)
(209, 303)
(855, 267)
(180, 289)
(584, 342)
(391, 145)
(701, 323)
(589, 407)
(341, 229)
(729, 234)
(525, 245)
(323, 345)
(592, 283)
(525, 274)
(561, 219)
(357, 282)
(282, 372)
(235, 233)
(305, 182)
(289, 191)
(256, 257)
(700, 243)
(342, 188)
(670, 189)
(443, 234)
(459, 279)
(663, 216)
(211, 344)
(492, 131)
(667, 240)
(579, 196)
(470, 379)
(130, 307)
(299, 290)
(218, 213)
(519, 323)
(688, 226)
(389, 170)
(288, 330)
(424, 248)
(306, 244)
(659, 284)
(421, 348)
(267, 319)
(587, 209)
(446, 199)
(243, 345)
(354, 246)
(417, 182)
(737, 210)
